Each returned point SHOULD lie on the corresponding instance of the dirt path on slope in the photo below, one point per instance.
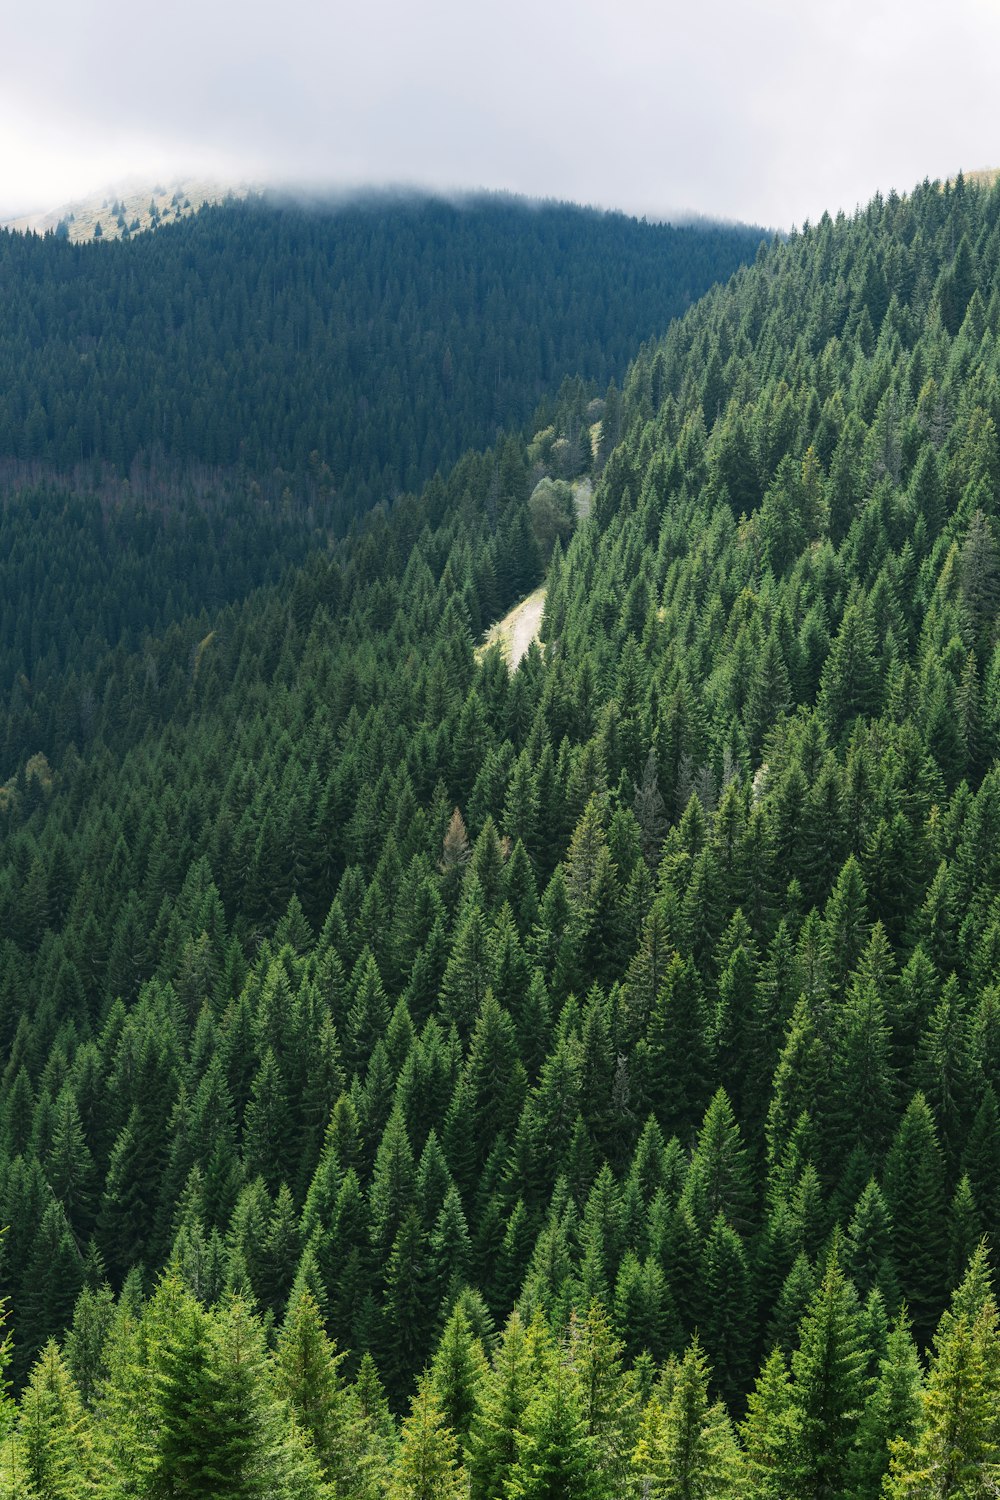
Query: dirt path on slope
(516, 631)
(583, 498)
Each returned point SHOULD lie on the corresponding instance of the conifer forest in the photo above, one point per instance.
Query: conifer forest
(430, 1077)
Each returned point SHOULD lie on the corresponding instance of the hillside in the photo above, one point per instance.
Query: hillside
(348, 351)
(424, 1072)
(130, 208)
(983, 176)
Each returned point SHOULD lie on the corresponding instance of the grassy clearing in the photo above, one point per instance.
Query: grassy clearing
(141, 207)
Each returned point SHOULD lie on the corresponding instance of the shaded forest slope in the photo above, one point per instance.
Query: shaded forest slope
(362, 345)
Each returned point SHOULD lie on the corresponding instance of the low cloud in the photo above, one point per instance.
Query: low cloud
(770, 112)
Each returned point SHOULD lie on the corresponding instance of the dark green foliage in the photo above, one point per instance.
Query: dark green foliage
(356, 347)
(642, 995)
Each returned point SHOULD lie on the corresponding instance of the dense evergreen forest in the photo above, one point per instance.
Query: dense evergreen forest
(186, 416)
(362, 345)
(429, 1080)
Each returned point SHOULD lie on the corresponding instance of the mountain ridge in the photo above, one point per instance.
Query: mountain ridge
(130, 207)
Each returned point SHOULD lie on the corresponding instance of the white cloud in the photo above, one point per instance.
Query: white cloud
(766, 109)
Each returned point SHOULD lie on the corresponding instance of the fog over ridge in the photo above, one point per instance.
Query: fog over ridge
(768, 114)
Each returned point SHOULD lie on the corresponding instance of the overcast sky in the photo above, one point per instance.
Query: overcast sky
(765, 110)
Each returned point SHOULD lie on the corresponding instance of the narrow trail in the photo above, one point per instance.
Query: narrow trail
(516, 631)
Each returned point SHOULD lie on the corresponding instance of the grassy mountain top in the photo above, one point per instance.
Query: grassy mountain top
(983, 176)
(128, 209)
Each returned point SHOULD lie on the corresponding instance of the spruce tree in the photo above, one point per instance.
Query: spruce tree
(913, 1183)
(54, 1432)
(891, 1415)
(307, 1376)
(457, 1372)
(556, 1456)
(427, 1466)
(502, 1398)
(767, 1431)
(827, 1390)
(956, 1449)
(686, 1446)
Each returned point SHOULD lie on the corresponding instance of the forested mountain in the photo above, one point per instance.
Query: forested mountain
(428, 1080)
(361, 346)
(184, 417)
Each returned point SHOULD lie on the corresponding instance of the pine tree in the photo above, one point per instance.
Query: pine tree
(427, 1466)
(556, 1455)
(686, 1446)
(827, 1390)
(55, 1433)
(956, 1450)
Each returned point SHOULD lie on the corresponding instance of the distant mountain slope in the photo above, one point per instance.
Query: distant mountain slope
(364, 345)
(128, 209)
